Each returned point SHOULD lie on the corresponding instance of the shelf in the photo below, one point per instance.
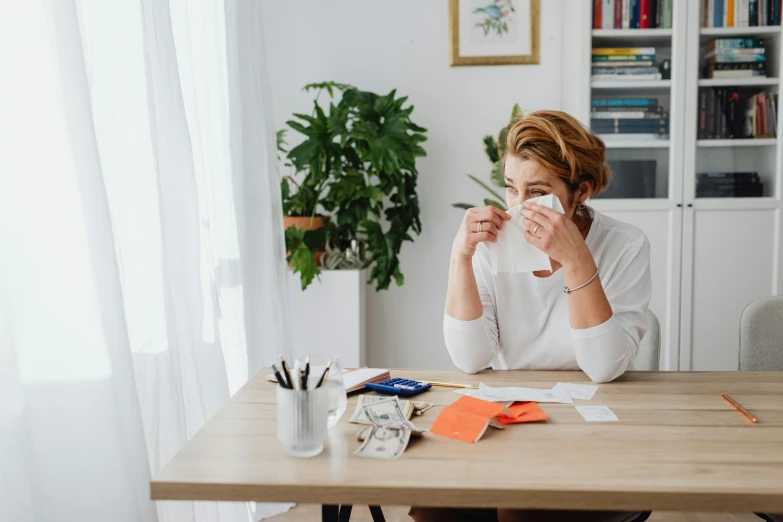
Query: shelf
(631, 204)
(710, 32)
(737, 82)
(760, 142)
(651, 35)
(736, 203)
(628, 143)
(627, 84)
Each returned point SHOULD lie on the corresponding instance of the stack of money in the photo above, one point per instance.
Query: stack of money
(409, 408)
(390, 429)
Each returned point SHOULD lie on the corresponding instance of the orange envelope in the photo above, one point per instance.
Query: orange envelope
(477, 406)
(461, 425)
(522, 412)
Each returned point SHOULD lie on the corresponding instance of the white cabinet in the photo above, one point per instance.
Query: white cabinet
(710, 257)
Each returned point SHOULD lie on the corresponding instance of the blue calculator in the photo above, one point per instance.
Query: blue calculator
(401, 387)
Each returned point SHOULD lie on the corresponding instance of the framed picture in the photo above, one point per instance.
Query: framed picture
(494, 32)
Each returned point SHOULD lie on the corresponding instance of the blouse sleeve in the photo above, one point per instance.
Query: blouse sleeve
(606, 351)
(473, 344)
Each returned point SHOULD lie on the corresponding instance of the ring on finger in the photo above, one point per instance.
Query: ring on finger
(480, 223)
(536, 229)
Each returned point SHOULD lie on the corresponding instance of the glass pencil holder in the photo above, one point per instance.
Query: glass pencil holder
(302, 417)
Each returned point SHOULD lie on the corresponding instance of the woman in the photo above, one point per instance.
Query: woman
(588, 313)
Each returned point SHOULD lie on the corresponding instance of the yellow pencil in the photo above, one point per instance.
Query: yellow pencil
(451, 384)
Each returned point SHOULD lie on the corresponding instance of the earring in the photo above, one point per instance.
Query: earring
(581, 206)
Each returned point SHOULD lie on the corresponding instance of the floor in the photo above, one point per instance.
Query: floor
(312, 513)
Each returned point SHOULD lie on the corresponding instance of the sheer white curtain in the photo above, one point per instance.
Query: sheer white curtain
(141, 256)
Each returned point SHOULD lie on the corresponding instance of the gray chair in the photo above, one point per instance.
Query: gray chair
(650, 347)
(761, 335)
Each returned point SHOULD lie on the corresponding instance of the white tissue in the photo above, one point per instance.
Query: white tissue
(511, 253)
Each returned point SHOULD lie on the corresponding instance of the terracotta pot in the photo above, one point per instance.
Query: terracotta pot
(306, 223)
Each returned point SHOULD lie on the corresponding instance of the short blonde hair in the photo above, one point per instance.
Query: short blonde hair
(559, 143)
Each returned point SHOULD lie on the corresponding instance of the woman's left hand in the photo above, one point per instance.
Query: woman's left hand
(554, 234)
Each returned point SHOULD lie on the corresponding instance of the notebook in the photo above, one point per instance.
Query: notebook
(355, 379)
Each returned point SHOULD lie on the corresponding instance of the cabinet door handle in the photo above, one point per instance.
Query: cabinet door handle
(679, 205)
(690, 205)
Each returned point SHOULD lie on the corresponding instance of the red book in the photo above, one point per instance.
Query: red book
(597, 14)
(618, 14)
(644, 14)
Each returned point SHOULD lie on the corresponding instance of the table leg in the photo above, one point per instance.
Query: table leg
(377, 514)
(330, 513)
(345, 512)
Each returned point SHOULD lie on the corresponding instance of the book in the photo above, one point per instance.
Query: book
(631, 114)
(626, 14)
(711, 14)
(644, 14)
(607, 14)
(623, 58)
(635, 137)
(718, 21)
(618, 14)
(655, 13)
(623, 50)
(753, 13)
(666, 19)
(734, 43)
(736, 58)
(727, 51)
(626, 77)
(742, 73)
(729, 13)
(609, 130)
(744, 13)
(625, 65)
(597, 16)
(630, 123)
(624, 71)
(624, 102)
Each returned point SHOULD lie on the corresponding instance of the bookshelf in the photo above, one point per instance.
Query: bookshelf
(710, 256)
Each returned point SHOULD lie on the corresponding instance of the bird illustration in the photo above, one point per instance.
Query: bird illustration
(499, 9)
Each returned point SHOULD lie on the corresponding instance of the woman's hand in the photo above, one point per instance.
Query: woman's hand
(480, 224)
(554, 234)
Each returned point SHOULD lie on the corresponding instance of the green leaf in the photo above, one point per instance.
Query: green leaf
(516, 112)
(494, 203)
(497, 176)
(491, 148)
(486, 187)
(464, 206)
(303, 263)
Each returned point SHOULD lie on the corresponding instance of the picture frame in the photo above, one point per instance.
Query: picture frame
(494, 32)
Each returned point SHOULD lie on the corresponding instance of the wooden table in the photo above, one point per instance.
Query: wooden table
(677, 446)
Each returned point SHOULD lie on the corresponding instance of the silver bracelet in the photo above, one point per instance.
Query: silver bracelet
(569, 290)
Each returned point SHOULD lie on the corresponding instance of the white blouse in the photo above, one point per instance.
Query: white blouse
(525, 321)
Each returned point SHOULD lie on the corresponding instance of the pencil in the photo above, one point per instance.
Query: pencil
(322, 380)
(451, 384)
(280, 378)
(287, 374)
(307, 371)
(739, 408)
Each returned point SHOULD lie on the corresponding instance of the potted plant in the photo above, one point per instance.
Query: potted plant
(356, 170)
(495, 150)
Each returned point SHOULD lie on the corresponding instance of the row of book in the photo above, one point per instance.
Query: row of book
(729, 113)
(624, 63)
(740, 13)
(632, 14)
(637, 118)
(735, 58)
(729, 185)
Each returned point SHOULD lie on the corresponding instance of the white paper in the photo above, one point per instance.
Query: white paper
(511, 253)
(512, 394)
(577, 391)
(597, 413)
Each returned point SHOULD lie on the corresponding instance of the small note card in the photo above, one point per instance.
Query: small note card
(597, 413)
(577, 391)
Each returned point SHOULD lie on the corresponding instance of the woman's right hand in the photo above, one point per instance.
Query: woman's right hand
(468, 236)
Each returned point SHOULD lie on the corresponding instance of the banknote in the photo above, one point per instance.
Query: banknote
(420, 407)
(359, 417)
(384, 442)
(387, 412)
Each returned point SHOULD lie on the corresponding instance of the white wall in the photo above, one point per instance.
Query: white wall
(379, 45)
